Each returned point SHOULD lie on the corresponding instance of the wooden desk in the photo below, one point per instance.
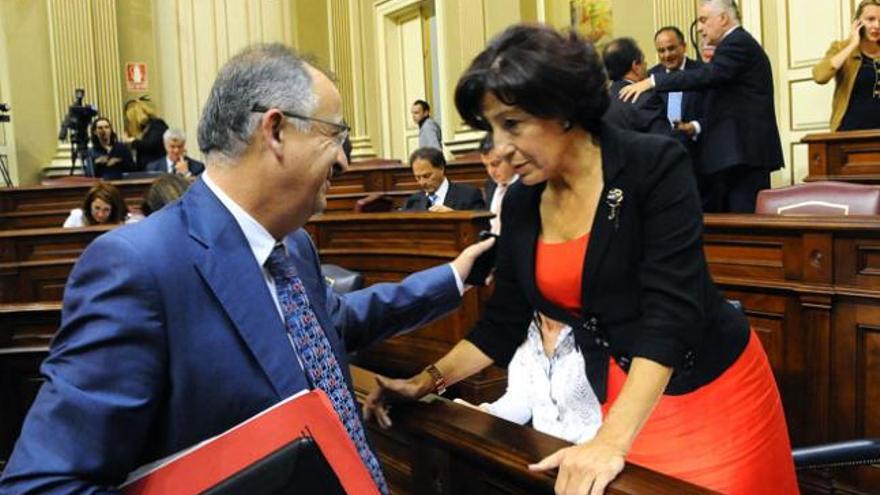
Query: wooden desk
(811, 289)
(25, 331)
(392, 175)
(48, 243)
(439, 447)
(65, 196)
(851, 156)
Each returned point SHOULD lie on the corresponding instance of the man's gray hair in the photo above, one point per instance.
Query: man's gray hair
(727, 6)
(174, 135)
(270, 75)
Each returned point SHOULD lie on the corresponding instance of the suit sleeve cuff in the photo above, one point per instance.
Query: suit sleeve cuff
(458, 282)
(697, 129)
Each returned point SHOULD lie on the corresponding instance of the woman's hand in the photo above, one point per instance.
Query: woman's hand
(855, 36)
(584, 469)
(389, 390)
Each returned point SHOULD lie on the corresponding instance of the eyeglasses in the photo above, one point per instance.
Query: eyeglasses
(341, 131)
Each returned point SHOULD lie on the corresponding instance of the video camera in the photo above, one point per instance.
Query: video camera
(4, 112)
(75, 125)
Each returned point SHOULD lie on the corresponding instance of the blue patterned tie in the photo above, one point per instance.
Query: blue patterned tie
(317, 356)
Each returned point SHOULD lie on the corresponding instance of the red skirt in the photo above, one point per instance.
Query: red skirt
(729, 436)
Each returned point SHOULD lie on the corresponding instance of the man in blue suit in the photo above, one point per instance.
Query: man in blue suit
(176, 329)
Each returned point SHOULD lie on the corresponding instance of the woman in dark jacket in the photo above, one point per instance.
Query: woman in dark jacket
(109, 157)
(603, 231)
(145, 130)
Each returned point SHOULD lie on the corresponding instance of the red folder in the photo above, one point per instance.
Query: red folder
(216, 459)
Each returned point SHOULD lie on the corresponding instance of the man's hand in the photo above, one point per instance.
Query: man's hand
(633, 91)
(440, 208)
(688, 128)
(378, 402)
(101, 160)
(181, 167)
(465, 403)
(465, 261)
(113, 161)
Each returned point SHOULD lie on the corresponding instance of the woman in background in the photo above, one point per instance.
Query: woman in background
(854, 64)
(103, 204)
(108, 156)
(163, 190)
(145, 130)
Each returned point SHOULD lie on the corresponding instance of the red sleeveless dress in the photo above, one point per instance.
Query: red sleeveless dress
(729, 436)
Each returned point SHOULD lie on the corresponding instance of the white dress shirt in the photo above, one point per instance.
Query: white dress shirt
(551, 391)
(496, 202)
(440, 193)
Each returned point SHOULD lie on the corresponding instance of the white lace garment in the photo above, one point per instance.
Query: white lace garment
(551, 391)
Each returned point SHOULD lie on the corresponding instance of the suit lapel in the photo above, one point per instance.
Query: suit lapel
(231, 271)
(603, 228)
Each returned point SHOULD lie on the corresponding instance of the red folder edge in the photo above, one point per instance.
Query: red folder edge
(234, 450)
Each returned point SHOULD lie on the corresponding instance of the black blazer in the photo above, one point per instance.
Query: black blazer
(692, 107)
(646, 287)
(458, 197)
(740, 116)
(161, 165)
(648, 114)
(150, 147)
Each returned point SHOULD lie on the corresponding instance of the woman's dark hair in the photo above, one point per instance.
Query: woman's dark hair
(96, 143)
(433, 155)
(165, 189)
(545, 73)
(108, 194)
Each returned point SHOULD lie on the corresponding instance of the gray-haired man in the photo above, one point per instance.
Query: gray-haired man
(175, 160)
(183, 325)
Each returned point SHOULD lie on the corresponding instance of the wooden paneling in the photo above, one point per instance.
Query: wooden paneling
(64, 196)
(852, 156)
(811, 289)
(437, 447)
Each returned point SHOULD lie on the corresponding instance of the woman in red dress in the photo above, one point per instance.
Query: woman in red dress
(603, 231)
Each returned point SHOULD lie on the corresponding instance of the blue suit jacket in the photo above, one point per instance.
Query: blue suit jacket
(169, 335)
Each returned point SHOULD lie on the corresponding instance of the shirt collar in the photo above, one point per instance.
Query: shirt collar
(728, 32)
(258, 238)
(442, 190)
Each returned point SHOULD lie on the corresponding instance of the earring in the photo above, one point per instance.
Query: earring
(566, 125)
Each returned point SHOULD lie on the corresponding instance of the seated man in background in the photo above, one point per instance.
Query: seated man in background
(625, 63)
(175, 160)
(164, 190)
(438, 193)
(501, 176)
(108, 156)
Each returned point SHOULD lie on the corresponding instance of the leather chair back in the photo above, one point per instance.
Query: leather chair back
(342, 280)
(820, 198)
(372, 203)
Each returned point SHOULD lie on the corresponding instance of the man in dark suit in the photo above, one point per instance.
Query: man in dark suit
(625, 63)
(683, 109)
(740, 143)
(500, 177)
(195, 319)
(437, 192)
(175, 160)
